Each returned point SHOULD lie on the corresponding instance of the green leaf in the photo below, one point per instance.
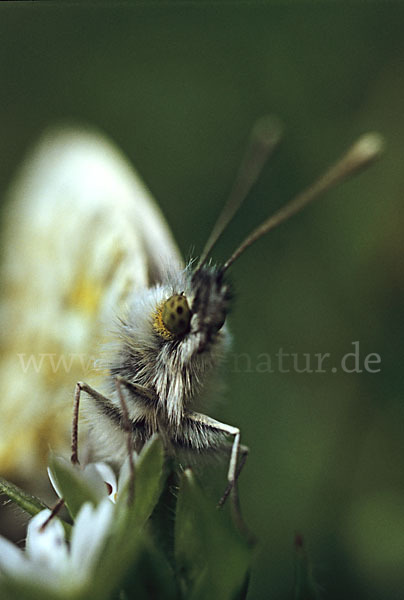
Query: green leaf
(213, 560)
(149, 479)
(124, 548)
(15, 590)
(151, 576)
(73, 485)
(305, 587)
(21, 589)
(162, 520)
(30, 504)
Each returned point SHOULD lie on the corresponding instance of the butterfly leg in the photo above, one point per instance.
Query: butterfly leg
(75, 427)
(102, 400)
(109, 409)
(243, 452)
(54, 511)
(129, 438)
(142, 394)
(238, 454)
(207, 424)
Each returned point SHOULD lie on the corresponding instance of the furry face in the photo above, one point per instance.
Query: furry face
(175, 369)
(168, 370)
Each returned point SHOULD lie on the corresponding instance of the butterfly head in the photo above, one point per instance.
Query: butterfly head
(200, 312)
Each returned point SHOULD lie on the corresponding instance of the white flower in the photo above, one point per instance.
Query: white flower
(48, 560)
(99, 477)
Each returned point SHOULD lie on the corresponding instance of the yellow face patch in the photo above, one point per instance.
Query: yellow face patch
(173, 317)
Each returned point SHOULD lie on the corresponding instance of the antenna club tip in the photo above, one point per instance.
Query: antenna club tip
(268, 130)
(368, 147)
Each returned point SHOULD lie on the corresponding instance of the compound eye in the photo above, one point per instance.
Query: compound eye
(176, 315)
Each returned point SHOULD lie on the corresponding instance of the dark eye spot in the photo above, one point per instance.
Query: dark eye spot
(176, 315)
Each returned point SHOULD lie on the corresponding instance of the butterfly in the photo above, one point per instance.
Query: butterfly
(90, 263)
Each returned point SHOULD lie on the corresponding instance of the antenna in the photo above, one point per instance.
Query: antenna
(361, 154)
(264, 138)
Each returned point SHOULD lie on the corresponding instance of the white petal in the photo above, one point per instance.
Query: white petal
(108, 477)
(91, 475)
(95, 480)
(15, 564)
(44, 560)
(12, 559)
(47, 546)
(89, 534)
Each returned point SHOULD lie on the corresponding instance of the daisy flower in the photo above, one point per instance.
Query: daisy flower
(49, 563)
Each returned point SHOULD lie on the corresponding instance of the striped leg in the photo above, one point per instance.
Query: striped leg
(206, 424)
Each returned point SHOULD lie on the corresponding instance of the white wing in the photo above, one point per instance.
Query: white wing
(79, 233)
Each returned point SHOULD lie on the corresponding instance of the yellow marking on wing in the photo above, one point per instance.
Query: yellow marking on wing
(87, 293)
(85, 296)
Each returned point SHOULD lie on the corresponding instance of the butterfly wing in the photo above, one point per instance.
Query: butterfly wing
(80, 233)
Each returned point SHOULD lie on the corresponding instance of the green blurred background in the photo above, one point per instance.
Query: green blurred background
(178, 89)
